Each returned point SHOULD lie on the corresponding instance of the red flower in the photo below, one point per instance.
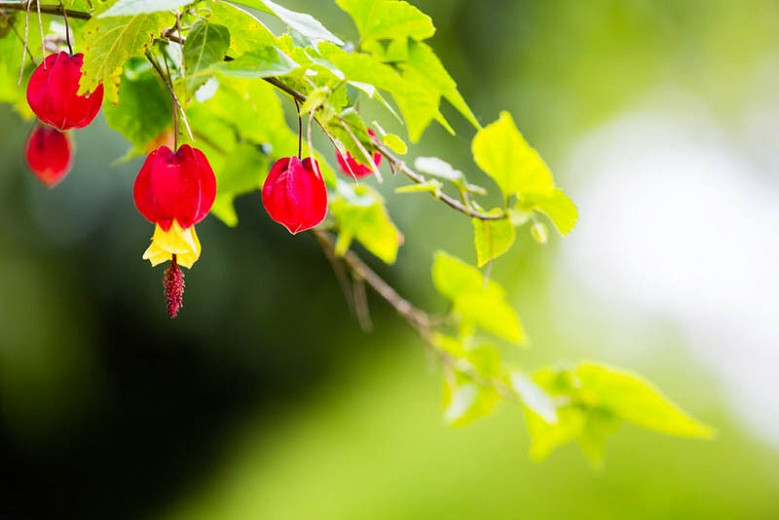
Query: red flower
(52, 93)
(175, 190)
(178, 186)
(294, 194)
(357, 169)
(49, 154)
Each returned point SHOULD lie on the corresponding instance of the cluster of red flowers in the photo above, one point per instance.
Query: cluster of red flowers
(175, 189)
(52, 94)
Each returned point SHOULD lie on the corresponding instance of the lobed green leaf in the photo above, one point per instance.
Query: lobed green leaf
(110, 42)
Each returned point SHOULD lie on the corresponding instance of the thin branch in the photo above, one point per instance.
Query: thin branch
(418, 319)
(397, 163)
(45, 9)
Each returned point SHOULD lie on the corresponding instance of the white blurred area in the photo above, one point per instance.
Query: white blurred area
(680, 220)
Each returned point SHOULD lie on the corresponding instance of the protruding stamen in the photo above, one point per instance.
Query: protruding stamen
(173, 282)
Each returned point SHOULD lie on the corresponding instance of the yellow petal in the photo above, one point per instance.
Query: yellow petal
(183, 243)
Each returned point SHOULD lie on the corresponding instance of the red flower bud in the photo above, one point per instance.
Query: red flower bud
(52, 93)
(294, 194)
(177, 186)
(357, 169)
(49, 154)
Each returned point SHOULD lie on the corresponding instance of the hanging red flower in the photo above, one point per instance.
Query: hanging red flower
(354, 168)
(175, 191)
(294, 194)
(52, 93)
(49, 154)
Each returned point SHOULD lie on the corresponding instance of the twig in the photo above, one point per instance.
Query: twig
(418, 319)
(45, 9)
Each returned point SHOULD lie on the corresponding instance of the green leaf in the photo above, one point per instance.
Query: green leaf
(248, 34)
(476, 300)
(388, 19)
(556, 205)
(439, 168)
(452, 277)
(395, 143)
(422, 58)
(134, 7)
(418, 104)
(634, 399)
(533, 397)
(592, 440)
(547, 436)
(144, 108)
(207, 44)
(110, 42)
(501, 151)
(465, 401)
(491, 314)
(492, 238)
(305, 24)
(362, 215)
(263, 62)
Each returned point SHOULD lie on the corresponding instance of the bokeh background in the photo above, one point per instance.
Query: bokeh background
(265, 400)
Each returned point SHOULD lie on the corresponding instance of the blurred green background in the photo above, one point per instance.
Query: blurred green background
(265, 400)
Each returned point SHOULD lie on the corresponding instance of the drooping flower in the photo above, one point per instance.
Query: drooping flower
(49, 154)
(294, 194)
(175, 191)
(354, 168)
(52, 93)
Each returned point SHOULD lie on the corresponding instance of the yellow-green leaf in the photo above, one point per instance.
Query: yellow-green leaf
(634, 399)
(492, 238)
(503, 153)
(361, 215)
(395, 143)
(556, 205)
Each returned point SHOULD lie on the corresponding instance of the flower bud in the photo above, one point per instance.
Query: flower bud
(49, 154)
(294, 194)
(354, 168)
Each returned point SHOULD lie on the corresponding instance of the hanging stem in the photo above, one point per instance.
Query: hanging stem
(67, 27)
(25, 39)
(176, 107)
(40, 26)
(300, 129)
(176, 104)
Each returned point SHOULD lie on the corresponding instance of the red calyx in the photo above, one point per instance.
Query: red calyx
(357, 169)
(49, 154)
(294, 194)
(52, 93)
(177, 186)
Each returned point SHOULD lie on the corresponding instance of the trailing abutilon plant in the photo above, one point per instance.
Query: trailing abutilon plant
(200, 87)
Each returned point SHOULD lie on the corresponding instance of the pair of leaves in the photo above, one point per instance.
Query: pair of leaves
(503, 153)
